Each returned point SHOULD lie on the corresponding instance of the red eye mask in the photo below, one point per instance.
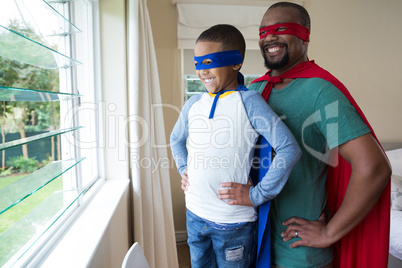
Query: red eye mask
(287, 28)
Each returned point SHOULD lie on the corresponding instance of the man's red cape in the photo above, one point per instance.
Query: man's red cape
(367, 244)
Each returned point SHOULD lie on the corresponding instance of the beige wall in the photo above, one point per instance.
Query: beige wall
(359, 41)
(163, 21)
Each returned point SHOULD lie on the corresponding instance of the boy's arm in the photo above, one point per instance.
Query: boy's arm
(271, 127)
(178, 139)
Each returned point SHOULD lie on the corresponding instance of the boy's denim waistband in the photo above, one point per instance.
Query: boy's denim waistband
(223, 226)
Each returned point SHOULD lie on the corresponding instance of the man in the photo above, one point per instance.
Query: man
(320, 113)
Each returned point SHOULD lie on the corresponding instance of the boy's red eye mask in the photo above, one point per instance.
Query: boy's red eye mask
(286, 28)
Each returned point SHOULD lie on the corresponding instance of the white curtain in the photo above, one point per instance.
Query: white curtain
(152, 203)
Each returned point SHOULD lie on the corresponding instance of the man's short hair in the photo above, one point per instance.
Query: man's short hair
(229, 37)
(304, 16)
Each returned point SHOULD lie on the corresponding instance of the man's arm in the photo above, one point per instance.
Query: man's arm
(370, 174)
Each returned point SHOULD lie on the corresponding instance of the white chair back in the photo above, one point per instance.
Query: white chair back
(135, 258)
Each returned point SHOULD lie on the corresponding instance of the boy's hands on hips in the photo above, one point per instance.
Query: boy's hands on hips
(184, 181)
(237, 192)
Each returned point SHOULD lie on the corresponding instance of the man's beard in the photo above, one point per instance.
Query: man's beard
(276, 65)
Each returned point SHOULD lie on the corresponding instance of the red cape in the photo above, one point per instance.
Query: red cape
(367, 245)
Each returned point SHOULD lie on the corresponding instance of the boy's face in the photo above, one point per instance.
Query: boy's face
(215, 79)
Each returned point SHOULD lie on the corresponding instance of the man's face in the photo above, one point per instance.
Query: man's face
(282, 51)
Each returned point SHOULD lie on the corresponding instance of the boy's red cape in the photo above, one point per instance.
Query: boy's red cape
(367, 244)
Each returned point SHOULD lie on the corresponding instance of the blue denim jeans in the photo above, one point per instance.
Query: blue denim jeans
(213, 247)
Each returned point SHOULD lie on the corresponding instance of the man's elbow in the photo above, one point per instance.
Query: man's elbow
(386, 171)
(382, 172)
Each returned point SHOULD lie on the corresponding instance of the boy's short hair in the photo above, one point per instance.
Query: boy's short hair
(229, 37)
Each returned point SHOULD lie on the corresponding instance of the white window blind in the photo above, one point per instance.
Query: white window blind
(195, 18)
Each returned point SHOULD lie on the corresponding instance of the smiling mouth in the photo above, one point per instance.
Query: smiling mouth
(273, 48)
(208, 81)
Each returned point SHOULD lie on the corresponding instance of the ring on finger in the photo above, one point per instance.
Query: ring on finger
(296, 234)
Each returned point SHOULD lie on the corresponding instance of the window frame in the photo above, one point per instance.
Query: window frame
(32, 253)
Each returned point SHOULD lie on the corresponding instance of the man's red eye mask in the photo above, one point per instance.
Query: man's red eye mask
(286, 28)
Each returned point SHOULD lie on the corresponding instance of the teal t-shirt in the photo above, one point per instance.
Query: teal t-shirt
(321, 118)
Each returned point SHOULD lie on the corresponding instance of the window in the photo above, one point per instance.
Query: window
(48, 140)
(194, 86)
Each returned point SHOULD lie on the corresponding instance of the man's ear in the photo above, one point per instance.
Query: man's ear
(237, 67)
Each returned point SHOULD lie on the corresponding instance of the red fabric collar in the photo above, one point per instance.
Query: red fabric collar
(362, 247)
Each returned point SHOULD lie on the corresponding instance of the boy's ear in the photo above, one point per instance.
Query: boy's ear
(237, 67)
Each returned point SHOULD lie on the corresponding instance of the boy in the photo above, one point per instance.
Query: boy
(222, 127)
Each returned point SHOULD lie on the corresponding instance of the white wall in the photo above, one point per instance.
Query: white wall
(118, 236)
(114, 87)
